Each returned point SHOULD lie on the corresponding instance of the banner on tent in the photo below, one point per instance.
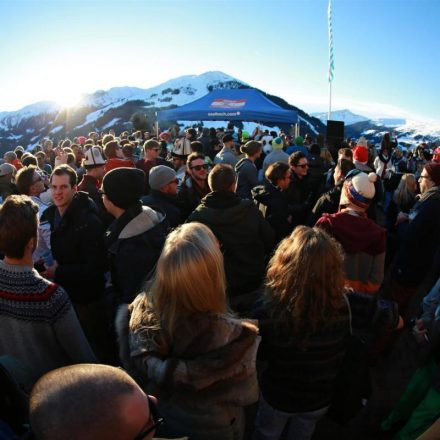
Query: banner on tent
(228, 103)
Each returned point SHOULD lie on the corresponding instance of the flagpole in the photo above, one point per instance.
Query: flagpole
(331, 60)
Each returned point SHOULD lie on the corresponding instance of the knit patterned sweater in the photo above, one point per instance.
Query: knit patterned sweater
(38, 324)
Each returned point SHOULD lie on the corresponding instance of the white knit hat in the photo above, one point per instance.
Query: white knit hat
(94, 157)
(359, 189)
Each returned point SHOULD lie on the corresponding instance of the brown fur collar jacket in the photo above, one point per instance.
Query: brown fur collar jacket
(210, 361)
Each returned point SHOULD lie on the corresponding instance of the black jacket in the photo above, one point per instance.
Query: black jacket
(134, 242)
(77, 244)
(245, 237)
(166, 203)
(275, 208)
(190, 195)
(302, 368)
(301, 198)
(328, 202)
(421, 243)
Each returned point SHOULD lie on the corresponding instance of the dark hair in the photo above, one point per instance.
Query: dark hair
(315, 150)
(227, 138)
(221, 177)
(65, 170)
(212, 131)
(24, 178)
(346, 152)
(18, 224)
(345, 166)
(196, 147)
(250, 148)
(276, 171)
(29, 160)
(295, 158)
(194, 156)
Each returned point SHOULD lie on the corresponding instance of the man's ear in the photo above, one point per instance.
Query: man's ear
(31, 245)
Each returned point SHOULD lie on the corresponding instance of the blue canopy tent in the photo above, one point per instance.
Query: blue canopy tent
(231, 105)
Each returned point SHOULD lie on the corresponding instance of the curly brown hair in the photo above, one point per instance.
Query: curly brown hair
(305, 280)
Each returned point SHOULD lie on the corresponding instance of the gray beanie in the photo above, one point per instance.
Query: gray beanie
(160, 176)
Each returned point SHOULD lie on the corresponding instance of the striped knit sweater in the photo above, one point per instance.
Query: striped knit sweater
(38, 324)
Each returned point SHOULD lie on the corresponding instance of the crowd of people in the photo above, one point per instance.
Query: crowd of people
(159, 284)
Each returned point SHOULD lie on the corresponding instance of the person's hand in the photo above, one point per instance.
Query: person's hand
(50, 271)
(401, 217)
(420, 332)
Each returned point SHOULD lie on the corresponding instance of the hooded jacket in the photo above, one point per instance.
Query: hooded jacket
(247, 177)
(77, 243)
(245, 237)
(134, 242)
(364, 245)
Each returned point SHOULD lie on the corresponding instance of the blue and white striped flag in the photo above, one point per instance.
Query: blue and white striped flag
(331, 58)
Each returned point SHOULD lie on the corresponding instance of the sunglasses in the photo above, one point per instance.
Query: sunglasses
(200, 167)
(154, 417)
(306, 165)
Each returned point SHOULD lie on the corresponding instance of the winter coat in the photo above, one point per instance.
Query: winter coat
(225, 155)
(77, 243)
(301, 198)
(302, 367)
(364, 245)
(247, 178)
(134, 242)
(383, 166)
(275, 209)
(421, 241)
(244, 235)
(328, 202)
(202, 376)
(189, 196)
(165, 203)
(275, 156)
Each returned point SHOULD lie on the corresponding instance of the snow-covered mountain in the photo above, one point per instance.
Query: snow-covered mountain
(114, 108)
(345, 116)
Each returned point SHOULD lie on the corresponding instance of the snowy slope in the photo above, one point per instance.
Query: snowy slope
(345, 115)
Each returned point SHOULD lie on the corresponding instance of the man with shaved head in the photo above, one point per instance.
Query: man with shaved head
(91, 402)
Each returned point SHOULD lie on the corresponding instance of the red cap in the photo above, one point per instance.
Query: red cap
(360, 153)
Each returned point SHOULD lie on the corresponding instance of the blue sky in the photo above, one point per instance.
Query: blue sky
(386, 51)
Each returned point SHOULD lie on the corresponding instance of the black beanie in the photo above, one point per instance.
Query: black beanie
(124, 186)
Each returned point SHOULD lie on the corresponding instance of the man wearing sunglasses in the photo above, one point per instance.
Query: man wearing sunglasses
(91, 401)
(299, 193)
(195, 185)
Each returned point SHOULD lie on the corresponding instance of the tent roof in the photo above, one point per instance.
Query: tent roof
(231, 105)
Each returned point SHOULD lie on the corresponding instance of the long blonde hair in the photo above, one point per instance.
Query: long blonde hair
(404, 194)
(305, 279)
(190, 277)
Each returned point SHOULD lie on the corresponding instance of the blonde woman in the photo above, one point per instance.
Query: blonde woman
(180, 341)
(403, 199)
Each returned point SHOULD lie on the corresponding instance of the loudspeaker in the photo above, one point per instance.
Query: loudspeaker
(335, 134)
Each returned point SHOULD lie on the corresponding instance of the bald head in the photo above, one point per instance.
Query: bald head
(88, 401)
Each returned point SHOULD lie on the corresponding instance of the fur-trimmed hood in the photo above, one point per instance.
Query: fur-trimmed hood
(210, 361)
